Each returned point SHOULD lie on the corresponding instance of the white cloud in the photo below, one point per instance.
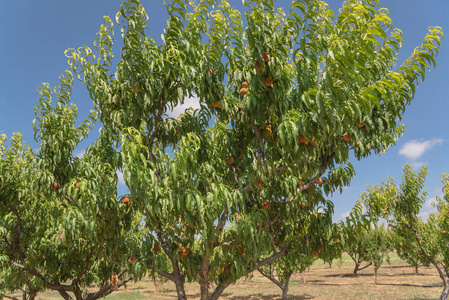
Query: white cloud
(428, 204)
(179, 109)
(121, 181)
(417, 165)
(79, 153)
(424, 215)
(344, 215)
(414, 149)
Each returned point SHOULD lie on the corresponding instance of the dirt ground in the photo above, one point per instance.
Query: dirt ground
(395, 281)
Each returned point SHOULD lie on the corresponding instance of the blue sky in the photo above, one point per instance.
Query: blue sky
(34, 35)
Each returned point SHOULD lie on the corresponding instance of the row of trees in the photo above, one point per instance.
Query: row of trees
(217, 192)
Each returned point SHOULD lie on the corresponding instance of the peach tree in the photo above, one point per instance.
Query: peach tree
(286, 98)
(355, 231)
(61, 219)
(401, 204)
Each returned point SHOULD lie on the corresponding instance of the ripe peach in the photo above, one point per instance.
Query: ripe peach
(268, 81)
(265, 57)
(265, 205)
(259, 183)
(359, 124)
(245, 84)
(243, 91)
(230, 160)
(267, 131)
(258, 67)
(347, 137)
(217, 104)
(125, 201)
(303, 139)
(319, 181)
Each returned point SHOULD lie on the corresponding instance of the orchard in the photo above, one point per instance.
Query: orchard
(287, 98)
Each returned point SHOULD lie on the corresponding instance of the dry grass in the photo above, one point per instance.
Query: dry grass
(395, 281)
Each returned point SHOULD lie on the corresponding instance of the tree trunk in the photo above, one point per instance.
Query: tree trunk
(330, 265)
(178, 281)
(375, 275)
(285, 293)
(416, 269)
(204, 279)
(224, 284)
(33, 294)
(24, 295)
(357, 265)
(285, 287)
(219, 290)
(445, 293)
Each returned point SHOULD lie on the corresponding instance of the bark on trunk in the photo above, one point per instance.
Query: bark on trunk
(445, 293)
(219, 290)
(416, 269)
(178, 281)
(356, 268)
(375, 276)
(285, 287)
(284, 293)
(204, 279)
(24, 295)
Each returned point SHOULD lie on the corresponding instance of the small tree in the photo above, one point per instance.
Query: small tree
(407, 249)
(400, 205)
(355, 231)
(381, 245)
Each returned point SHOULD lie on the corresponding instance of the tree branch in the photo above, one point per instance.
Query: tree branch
(164, 274)
(9, 297)
(274, 280)
(157, 124)
(359, 269)
(221, 287)
(108, 288)
(57, 287)
(424, 252)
